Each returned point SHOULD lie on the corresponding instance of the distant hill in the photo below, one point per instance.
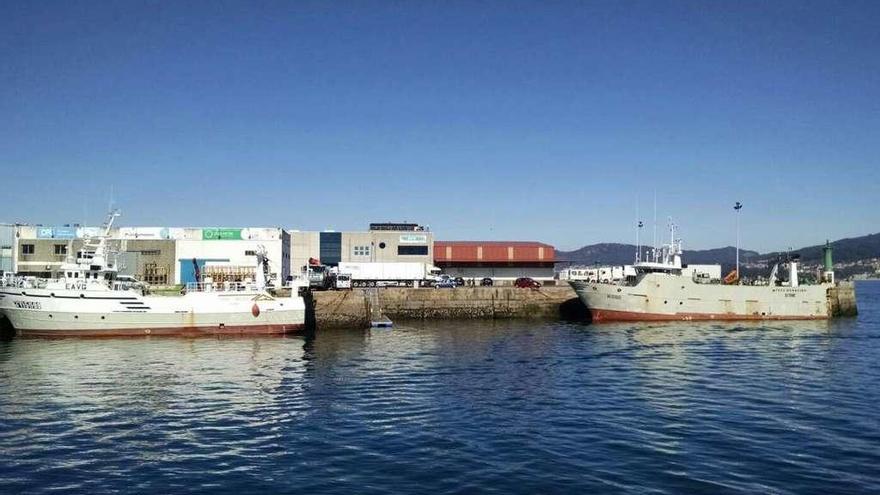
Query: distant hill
(623, 254)
(845, 251)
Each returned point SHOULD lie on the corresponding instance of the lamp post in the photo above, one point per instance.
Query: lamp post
(738, 206)
(638, 242)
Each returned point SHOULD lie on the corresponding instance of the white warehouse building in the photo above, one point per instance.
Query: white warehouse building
(157, 255)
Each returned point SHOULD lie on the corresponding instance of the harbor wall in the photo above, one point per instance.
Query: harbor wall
(353, 308)
(842, 300)
(346, 309)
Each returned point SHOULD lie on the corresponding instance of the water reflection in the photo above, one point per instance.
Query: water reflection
(445, 407)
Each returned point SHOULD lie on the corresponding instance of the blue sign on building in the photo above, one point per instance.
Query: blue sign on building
(65, 233)
(56, 233)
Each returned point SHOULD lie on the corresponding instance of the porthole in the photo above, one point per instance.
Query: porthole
(52, 294)
(75, 317)
(50, 316)
(82, 296)
(102, 317)
(665, 302)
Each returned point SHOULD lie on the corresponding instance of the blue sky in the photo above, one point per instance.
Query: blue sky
(485, 120)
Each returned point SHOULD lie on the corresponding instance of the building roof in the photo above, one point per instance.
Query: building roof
(516, 252)
(495, 243)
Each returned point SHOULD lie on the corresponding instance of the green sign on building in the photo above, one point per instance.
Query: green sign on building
(221, 234)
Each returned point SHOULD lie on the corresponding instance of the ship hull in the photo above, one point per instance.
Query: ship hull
(41, 313)
(664, 297)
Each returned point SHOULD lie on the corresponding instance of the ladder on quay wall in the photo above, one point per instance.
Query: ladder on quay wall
(377, 319)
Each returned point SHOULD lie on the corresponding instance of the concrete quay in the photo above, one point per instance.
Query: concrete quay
(352, 308)
(842, 300)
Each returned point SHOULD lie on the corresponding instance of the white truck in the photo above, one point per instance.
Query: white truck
(376, 274)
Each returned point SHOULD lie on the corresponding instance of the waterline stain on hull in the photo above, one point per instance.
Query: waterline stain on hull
(190, 331)
(604, 315)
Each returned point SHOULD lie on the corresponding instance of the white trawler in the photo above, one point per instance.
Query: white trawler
(85, 299)
(662, 289)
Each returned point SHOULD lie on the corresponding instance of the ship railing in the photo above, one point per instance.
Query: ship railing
(220, 287)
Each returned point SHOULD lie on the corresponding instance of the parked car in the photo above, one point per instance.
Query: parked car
(526, 283)
(486, 282)
(459, 282)
(129, 281)
(445, 282)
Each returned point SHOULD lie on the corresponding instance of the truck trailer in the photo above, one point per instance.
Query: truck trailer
(403, 274)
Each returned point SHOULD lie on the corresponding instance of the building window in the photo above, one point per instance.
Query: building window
(60, 249)
(330, 248)
(362, 250)
(250, 252)
(412, 250)
(151, 252)
(27, 249)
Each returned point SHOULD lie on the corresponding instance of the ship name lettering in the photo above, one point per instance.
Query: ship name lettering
(75, 286)
(613, 296)
(28, 305)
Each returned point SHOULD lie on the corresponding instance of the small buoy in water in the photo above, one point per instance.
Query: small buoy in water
(255, 310)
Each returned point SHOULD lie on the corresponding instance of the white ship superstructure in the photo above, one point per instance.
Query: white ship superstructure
(85, 299)
(662, 289)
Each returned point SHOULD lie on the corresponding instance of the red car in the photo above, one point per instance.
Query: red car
(527, 283)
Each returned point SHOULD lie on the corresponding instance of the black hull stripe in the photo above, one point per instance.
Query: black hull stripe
(132, 299)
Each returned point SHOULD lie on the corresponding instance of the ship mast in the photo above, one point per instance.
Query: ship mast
(94, 248)
(639, 225)
(654, 248)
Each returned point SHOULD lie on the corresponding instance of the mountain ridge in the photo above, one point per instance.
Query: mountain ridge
(846, 250)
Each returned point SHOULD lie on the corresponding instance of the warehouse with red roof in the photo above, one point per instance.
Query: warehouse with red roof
(502, 261)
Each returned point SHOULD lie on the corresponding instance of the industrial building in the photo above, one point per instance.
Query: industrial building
(170, 255)
(503, 261)
(156, 255)
(383, 242)
(230, 254)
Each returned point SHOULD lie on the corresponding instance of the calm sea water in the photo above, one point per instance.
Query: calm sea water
(453, 407)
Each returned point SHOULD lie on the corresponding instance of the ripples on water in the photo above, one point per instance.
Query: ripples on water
(450, 407)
